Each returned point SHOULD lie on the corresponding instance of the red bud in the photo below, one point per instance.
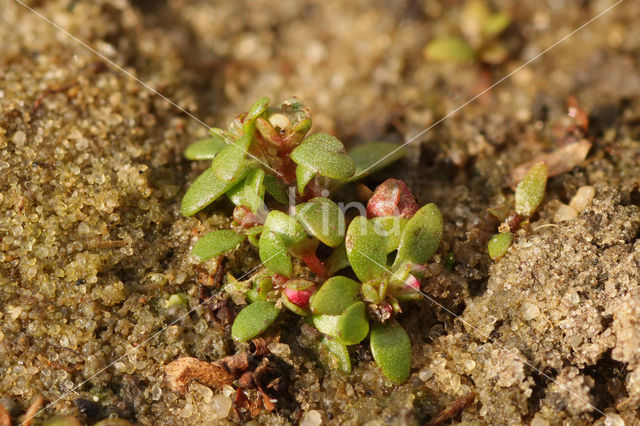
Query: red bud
(392, 198)
(299, 297)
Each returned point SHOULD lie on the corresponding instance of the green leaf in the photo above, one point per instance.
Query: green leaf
(203, 191)
(249, 192)
(286, 227)
(276, 189)
(324, 155)
(334, 296)
(61, 420)
(327, 324)
(178, 299)
(449, 48)
(205, 149)
(495, 24)
(335, 355)
(499, 244)
(391, 227)
(323, 219)
(391, 349)
(256, 110)
(273, 254)
(530, 191)
(366, 249)
(215, 243)
(303, 177)
(229, 164)
(253, 320)
(337, 260)
(253, 234)
(373, 156)
(494, 53)
(353, 324)
(293, 307)
(421, 236)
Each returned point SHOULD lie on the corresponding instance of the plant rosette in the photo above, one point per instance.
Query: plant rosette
(386, 253)
(262, 152)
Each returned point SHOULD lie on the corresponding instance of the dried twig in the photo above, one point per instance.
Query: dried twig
(455, 408)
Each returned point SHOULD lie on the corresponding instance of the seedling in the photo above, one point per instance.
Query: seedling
(480, 40)
(529, 194)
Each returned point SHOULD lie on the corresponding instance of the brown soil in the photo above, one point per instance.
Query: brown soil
(91, 176)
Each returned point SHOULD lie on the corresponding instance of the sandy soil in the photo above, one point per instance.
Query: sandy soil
(92, 243)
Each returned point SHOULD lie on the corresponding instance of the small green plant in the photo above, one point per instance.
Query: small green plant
(480, 42)
(263, 152)
(266, 151)
(387, 255)
(529, 194)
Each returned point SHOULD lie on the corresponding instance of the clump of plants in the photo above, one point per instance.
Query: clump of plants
(381, 257)
(480, 30)
(528, 196)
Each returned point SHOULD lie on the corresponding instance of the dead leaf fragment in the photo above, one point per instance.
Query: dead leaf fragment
(179, 373)
(560, 161)
(33, 409)
(5, 419)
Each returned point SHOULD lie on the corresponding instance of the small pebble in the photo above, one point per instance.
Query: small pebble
(221, 405)
(564, 212)
(311, 418)
(583, 197)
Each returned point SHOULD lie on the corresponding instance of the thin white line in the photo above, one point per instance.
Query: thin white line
(140, 344)
(124, 71)
(458, 317)
(495, 84)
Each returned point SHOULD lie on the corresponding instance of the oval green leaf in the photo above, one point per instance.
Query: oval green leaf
(495, 24)
(215, 243)
(253, 320)
(273, 254)
(499, 244)
(530, 191)
(421, 236)
(335, 355)
(323, 219)
(303, 177)
(286, 227)
(448, 48)
(366, 249)
(203, 191)
(205, 149)
(326, 324)
(391, 227)
(276, 189)
(324, 155)
(353, 325)
(373, 156)
(256, 110)
(334, 296)
(229, 164)
(249, 192)
(391, 349)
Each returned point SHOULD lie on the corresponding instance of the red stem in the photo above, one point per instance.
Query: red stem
(315, 264)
